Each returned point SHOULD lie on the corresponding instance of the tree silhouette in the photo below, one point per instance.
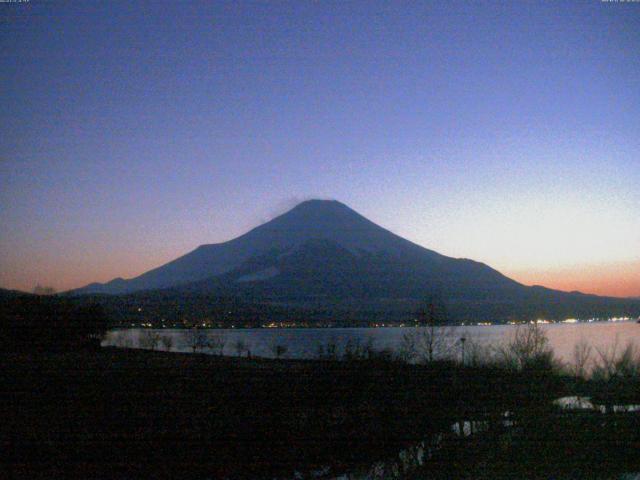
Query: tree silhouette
(431, 339)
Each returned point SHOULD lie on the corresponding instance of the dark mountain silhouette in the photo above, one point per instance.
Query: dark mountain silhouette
(323, 256)
(314, 227)
(4, 293)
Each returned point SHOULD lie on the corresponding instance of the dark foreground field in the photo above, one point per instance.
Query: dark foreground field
(129, 413)
(125, 412)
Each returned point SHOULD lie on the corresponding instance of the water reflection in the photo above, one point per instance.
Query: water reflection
(305, 343)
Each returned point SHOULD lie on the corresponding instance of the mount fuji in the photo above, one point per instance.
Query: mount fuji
(322, 255)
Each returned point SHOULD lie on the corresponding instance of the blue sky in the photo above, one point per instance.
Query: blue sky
(507, 132)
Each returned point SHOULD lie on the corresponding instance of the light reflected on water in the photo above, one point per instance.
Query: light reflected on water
(303, 343)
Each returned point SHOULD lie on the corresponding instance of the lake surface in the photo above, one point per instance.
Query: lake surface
(304, 342)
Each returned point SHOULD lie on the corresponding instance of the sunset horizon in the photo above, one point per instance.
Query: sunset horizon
(128, 150)
(620, 279)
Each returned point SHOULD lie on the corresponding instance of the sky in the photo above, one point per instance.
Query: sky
(505, 132)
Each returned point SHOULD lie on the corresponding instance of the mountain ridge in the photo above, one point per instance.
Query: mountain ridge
(323, 256)
(313, 218)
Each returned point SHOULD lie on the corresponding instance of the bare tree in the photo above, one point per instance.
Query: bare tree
(167, 342)
(628, 363)
(355, 349)
(529, 348)
(407, 351)
(328, 351)
(433, 338)
(122, 339)
(609, 364)
(277, 348)
(617, 370)
(216, 342)
(433, 343)
(149, 339)
(582, 353)
(240, 346)
(478, 354)
(196, 339)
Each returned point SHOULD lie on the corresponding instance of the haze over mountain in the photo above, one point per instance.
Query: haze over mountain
(323, 255)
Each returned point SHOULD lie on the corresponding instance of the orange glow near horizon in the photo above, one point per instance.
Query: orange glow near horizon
(621, 279)
(66, 273)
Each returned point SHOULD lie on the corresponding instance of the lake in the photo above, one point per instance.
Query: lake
(303, 342)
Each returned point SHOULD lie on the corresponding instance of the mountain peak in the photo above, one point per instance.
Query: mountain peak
(309, 221)
(316, 207)
(314, 203)
(323, 219)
